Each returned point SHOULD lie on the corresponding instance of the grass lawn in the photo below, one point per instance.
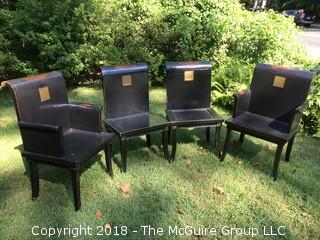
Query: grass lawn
(196, 189)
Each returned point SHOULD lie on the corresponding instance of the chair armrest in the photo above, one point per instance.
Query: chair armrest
(296, 116)
(85, 116)
(241, 102)
(42, 138)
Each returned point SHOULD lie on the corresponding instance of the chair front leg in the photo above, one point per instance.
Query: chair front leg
(34, 178)
(217, 140)
(208, 134)
(289, 148)
(123, 148)
(277, 161)
(165, 144)
(75, 177)
(226, 144)
(241, 138)
(108, 156)
(148, 140)
(174, 142)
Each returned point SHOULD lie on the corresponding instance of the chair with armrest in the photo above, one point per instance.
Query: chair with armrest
(54, 131)
(126, 97)
(188, 100)
(271, 109)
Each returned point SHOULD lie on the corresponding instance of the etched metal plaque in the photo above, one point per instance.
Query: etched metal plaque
(279, 81)
(189, 75)
(44, 94)
(126, 80)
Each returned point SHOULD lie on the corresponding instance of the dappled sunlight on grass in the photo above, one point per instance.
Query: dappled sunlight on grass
(196, 189)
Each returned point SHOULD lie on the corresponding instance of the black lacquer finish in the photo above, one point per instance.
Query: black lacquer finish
(188, 99)
(271, 109)
(126, 94)
(54, 131)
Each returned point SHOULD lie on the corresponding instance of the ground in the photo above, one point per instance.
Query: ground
(196, 189)
(310, 38)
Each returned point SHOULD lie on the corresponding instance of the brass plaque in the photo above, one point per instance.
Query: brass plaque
(279, 81)
(189, 75)
(126, 80)
(44, 94)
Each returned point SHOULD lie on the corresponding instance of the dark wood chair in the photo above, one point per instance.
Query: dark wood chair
(56, 132)
(271, 109)
(188, 100)
(126, 94)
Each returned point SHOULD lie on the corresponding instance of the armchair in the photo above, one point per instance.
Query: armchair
(54, 131)
(271, 109)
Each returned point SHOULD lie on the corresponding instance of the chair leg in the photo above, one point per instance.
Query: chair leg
(148, 138)
(289, 148)
(217, 140)
(34, 177)
(241, 139)
(169, 135)
(123, 154)
(174, 142)
(108, 156)
(226, 144)
(165, 144)
(277, 161)
(75, 177)
(208, 134)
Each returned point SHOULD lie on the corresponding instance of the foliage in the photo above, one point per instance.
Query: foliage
(311, 117)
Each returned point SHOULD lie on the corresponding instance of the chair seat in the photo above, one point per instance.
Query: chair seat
(261, 127)
(79, 146)
(137, 124)
(193, 117)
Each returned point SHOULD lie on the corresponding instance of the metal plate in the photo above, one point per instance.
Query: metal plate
(126, 80)
(279, 81)
(189, 75)
(44, 94)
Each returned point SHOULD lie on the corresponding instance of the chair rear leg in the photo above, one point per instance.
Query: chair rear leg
(208, 134)
(148, 140)
(34, 178)
(165, 144)
(226, 144)
(277, 161)
(217, 140)
(75, 177)
(108, 156)
(123, 148)
(289, 148)
(174, 142)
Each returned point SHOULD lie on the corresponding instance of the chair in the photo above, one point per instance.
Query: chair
(56, 132)
(271, 109)
(127, 113)
(188, 100)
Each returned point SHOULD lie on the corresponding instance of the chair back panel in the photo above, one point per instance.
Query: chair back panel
(188, 85)
(126, 90)
(41, 99)
(277, 91)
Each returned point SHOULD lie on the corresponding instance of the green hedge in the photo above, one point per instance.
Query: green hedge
(79, 36)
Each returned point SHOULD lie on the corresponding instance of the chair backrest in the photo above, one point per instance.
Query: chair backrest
(126, 90)
(188, 85)
(41, 99)
(276, 91)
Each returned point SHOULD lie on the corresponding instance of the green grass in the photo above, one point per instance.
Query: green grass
(185, 192)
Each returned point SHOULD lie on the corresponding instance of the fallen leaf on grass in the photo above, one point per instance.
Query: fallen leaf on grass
(306, 214)
(125, 188)
(294, 171)
(220, 190)
(98, 214)
(107, 225)
(240, 162)
(180, 211)
(189, 162)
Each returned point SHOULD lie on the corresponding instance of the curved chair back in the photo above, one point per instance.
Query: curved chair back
(277, 91)
(188, 85)
(126, 90)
